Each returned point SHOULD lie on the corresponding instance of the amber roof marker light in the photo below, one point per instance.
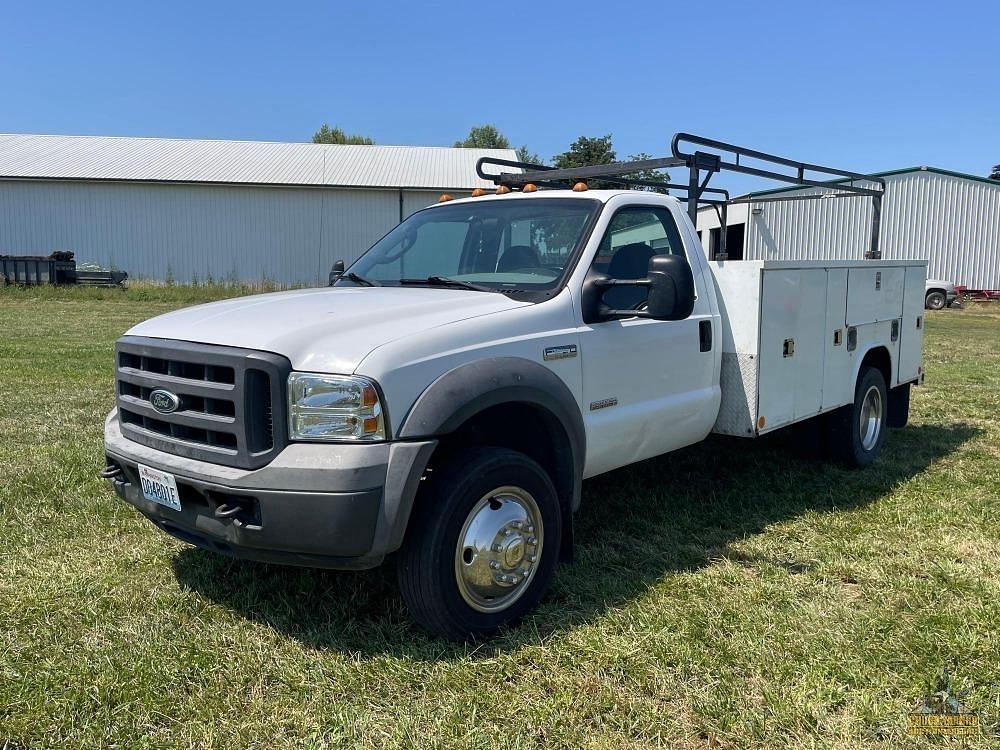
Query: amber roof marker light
(445, 197)
(580, 187)
(478, 193)
(502, 189)
(530, 187)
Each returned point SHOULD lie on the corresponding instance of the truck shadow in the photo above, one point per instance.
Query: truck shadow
(667, 515)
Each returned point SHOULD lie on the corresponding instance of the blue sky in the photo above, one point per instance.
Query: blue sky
(866, 86)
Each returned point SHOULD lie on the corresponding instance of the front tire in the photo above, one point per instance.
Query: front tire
(935, 300)
(482, 544)
(858, 431)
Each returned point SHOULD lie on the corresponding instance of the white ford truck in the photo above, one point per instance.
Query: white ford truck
(447, 396)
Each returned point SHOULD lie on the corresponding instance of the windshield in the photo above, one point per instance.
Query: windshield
(497, 245)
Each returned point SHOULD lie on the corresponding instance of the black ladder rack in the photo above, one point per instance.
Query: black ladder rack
(722, 157)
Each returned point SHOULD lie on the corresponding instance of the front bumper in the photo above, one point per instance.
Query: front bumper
(317, 505)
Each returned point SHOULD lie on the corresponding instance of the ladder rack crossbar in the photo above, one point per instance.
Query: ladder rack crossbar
(696, 188)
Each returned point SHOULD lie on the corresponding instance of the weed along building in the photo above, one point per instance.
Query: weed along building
(950, 219)
(198, 209)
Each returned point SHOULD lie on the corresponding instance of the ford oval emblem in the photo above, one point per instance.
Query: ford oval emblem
(164, 402)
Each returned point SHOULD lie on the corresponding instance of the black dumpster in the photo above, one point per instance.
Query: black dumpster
(57, 268)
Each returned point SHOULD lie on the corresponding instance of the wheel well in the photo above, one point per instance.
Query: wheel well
(933, 289)
(523, 427)
(879, 357)
(530, 429)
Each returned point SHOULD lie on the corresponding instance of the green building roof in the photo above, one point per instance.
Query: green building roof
(889, 173)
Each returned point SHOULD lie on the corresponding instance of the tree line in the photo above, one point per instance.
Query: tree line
(585, 151)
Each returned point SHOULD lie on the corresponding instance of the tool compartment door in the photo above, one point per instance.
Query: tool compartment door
(874, 294)
(792, 344)
(838, 363)
(911, 335)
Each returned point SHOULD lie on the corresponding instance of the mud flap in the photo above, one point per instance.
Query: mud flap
(899, 405)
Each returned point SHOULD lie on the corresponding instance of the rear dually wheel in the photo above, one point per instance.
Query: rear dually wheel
(857, 431)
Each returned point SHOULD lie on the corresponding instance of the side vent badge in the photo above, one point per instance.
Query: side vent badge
(603, 403)
(559, 352)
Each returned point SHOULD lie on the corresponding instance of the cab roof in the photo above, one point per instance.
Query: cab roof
(602, 195)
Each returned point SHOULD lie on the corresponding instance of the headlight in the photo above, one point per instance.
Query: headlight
(333, 407)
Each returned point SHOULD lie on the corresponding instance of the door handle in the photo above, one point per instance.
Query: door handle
(705, 335)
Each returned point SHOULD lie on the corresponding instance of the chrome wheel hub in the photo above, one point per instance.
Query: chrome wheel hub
(498, 549)
(870, 421)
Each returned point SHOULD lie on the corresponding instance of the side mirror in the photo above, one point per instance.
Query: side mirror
(336, 272)
(671, 294)
(671, 288)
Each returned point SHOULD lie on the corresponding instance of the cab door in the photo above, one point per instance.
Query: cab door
(648, 385)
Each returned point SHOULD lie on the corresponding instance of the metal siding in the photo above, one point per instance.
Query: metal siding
(287, 235)
(353, 221)
(952, 222)
(247, 162)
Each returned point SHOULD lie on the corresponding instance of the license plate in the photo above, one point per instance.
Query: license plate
(159, 486)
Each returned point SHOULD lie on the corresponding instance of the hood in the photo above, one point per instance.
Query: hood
(324, 330)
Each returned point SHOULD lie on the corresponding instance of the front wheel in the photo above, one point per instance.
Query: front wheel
(857, 431)
(935, 301)
(482, 545)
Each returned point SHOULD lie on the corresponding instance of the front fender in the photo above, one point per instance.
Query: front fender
(463, 392)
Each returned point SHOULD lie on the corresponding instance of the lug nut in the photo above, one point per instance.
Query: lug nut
(532, 540)
(529, 528)
(494, 564)
(496, 547)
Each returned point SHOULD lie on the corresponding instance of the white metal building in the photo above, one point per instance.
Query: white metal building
(243, 210)
(948, 218)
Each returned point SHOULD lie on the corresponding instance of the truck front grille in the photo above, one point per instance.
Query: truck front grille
(226, 399)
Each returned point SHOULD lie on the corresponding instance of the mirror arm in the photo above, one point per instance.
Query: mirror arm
(607, 313)
(603, 312)
(611, 314)
(607, 282)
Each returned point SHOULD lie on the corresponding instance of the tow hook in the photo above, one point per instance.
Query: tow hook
(112, 472)
(240, 510)
(228, 510)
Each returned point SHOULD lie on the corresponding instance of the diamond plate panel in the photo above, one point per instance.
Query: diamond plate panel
(738, 411)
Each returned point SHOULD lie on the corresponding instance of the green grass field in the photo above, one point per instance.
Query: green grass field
(735, 594)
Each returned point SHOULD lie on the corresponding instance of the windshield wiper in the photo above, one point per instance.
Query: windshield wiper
(359, 279)
(445, 281)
